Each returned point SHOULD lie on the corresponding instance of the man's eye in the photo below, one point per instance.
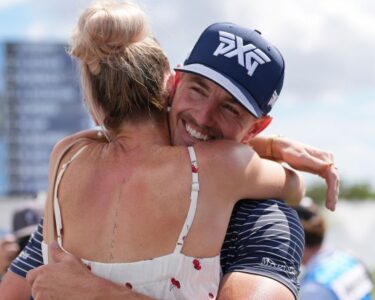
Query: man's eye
(231, 109)
(197, 90)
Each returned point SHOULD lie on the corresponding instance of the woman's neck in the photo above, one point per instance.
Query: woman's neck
(139, 134)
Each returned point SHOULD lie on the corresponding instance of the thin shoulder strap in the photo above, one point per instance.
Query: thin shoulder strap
(49, 229)
(193, 200)
(56, 205)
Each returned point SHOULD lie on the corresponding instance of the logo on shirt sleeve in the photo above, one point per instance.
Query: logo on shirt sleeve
(271, 264)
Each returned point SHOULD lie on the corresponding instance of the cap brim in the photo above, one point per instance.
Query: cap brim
(230, 86)
(26, 231)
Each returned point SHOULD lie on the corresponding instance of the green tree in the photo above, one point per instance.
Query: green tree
(357, 191)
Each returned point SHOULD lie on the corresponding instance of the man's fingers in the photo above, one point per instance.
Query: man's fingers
(31, 276)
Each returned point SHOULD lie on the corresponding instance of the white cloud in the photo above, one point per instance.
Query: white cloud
(346, 129)
(9, 3)
(329, 46)
(330, 43)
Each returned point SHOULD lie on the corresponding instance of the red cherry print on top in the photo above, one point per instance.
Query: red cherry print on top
(211, 296)
(175, 282)
(128, 285)
(194, 169)
(197, 264)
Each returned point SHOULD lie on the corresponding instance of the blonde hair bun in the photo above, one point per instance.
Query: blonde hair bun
(105, 30)
(123, 68)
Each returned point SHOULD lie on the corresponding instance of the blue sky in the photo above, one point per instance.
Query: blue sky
(328, 98)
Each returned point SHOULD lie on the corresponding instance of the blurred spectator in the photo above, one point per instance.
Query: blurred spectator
(329, 274)
(25, 221)
(8, 251)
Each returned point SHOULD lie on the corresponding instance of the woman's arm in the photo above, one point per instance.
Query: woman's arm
(301, 157)
(252, 177)
(268, 177)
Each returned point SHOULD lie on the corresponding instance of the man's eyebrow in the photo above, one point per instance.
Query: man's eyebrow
(232, 100)
(229, 98)
(199, 80)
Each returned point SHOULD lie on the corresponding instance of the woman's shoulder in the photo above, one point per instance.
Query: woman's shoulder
(74, 141)
(224, 151)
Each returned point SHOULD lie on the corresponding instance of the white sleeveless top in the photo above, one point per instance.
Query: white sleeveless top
(172, 276)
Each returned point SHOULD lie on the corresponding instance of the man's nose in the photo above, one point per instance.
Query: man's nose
(206, 115)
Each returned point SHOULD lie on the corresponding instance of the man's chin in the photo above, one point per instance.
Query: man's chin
(181, 142)
(187, 142)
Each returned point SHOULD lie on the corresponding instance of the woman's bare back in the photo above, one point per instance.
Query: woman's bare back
(124, 205)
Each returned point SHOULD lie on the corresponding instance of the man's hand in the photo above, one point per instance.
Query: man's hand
(8, 251)
(305, 158)
(68, 278)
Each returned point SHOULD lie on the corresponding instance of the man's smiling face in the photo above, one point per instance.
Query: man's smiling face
(201, 110)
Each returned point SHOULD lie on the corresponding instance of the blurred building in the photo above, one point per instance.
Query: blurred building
(40, 103)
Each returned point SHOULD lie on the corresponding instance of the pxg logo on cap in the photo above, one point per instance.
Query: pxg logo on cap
(242, 62)
(248, 55)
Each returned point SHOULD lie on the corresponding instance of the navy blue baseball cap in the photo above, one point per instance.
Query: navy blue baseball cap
(242, 62)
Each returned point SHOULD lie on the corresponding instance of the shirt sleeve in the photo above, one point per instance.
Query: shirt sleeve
(31, 256)
(264, 238)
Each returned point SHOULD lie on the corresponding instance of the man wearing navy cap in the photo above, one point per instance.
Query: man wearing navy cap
(224, 90)
(240, 61)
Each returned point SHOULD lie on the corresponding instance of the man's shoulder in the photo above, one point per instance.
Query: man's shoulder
(245, 210)
(251, 219)
(264, 238)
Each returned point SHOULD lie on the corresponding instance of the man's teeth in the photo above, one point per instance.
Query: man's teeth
(195, 134)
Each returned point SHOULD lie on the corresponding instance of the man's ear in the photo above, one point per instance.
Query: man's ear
(172, 83)
(258, 126)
